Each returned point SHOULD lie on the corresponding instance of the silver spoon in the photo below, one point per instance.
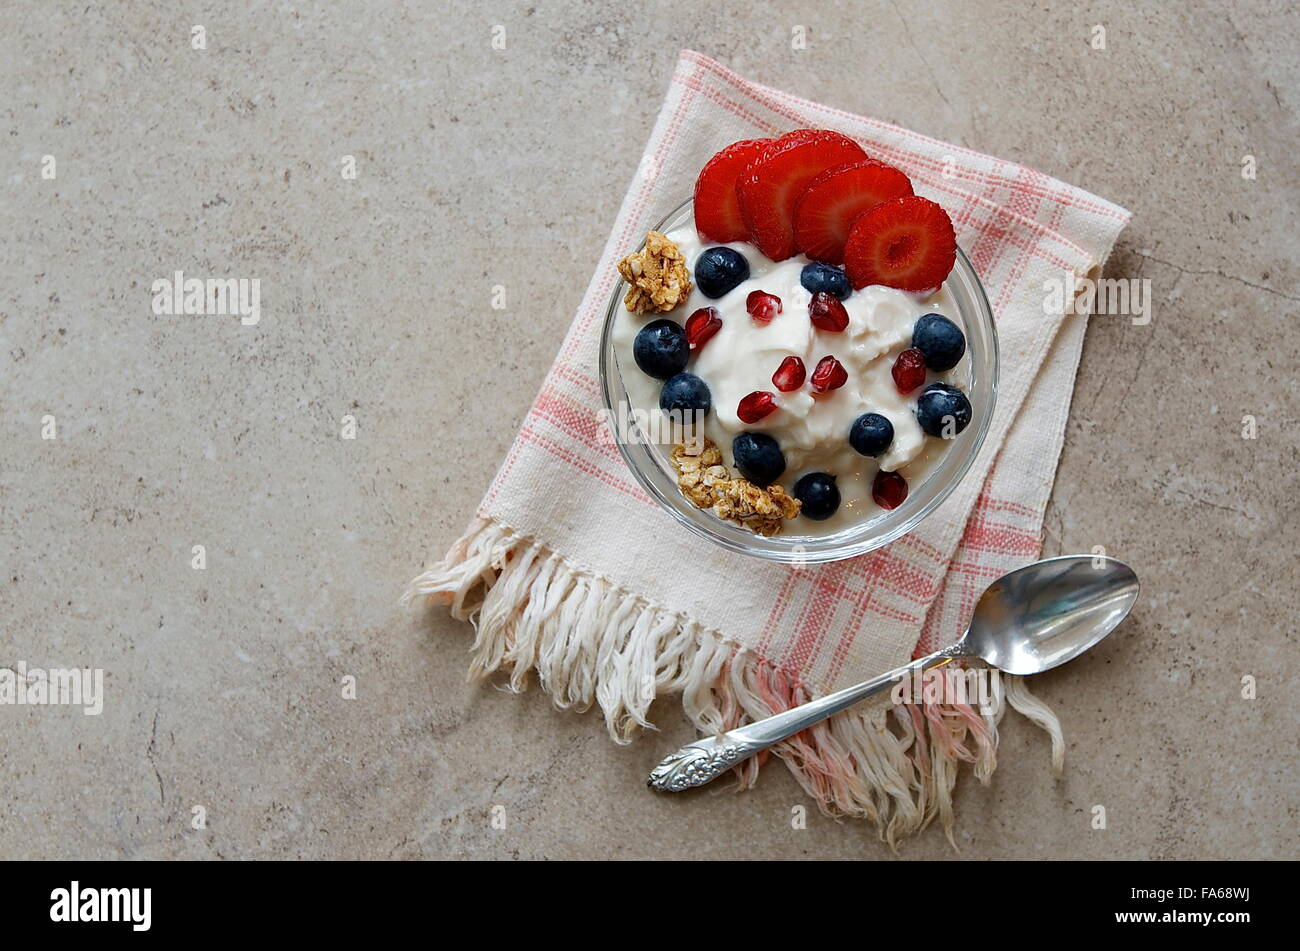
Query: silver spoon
(1028, 621)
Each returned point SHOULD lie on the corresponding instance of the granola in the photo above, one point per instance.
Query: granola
(658, 275)
(707, 484)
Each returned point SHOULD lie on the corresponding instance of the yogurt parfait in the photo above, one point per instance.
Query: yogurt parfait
(800, 334)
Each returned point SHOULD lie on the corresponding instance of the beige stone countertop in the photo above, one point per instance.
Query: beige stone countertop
(222, 687)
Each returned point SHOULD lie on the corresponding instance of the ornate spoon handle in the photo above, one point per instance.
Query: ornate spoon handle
(704, 760)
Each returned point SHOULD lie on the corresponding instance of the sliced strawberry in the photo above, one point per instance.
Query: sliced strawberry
(717, 211)
(769, 188)
(826, 210)
(906, 243)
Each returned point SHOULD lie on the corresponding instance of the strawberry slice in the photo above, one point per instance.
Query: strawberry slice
(906, 243)
(826, 210)
(717, 211)
(769, 188)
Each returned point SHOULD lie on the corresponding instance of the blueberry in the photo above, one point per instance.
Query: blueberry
(685, 392)
(940, 340)
(819, 495)
(758, 457)
(871, 434)
(661, 349)
(718, 270)
(937, 402)
(822, 277)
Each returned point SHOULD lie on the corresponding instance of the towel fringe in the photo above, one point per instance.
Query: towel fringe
(592, 642)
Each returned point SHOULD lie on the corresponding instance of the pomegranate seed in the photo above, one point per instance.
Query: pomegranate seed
(827, 313)
(762, 306)
(755, 406)
(828, 375)
(889, 490)
(789, 375)
(701, 326)
(909, 370)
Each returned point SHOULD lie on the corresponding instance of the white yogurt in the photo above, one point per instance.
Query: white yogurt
(813, 433)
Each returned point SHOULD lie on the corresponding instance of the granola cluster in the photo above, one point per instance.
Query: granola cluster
(658, 275)
(707, 484)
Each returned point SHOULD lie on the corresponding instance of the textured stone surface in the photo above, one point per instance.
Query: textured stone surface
(223, 684)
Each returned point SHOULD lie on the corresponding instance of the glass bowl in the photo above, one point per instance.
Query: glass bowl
(654, 470)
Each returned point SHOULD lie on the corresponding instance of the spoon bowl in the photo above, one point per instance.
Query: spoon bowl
(1042, 615)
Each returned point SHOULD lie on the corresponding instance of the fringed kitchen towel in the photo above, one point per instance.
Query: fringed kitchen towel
(572, 571)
